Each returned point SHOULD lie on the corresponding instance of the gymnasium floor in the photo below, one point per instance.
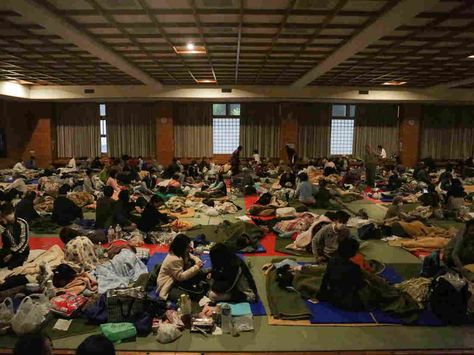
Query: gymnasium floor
(268, 338)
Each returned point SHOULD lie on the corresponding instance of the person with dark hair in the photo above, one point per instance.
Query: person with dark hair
(305, 191)
(25, 208)
(33, 344)
(96, 345)
(230, 277)
(330, 168)
(121, 213)
(15, 189)
(395, 211)
(394, 181)
(193, 170)
(287, 179)
(112, 181)
(326, 241)
(175, 182)
(430, 197)
(203, 165)
(151, 216)
(291, 153)
(96, 164)
(65, 211)
(460, 251)
(343, 279)
(31, 163)
(104, 207)
(179, 266)
(172, 169)
(15, 238)
(19, 167)
(235, 160)
(455, 196)
(216, 189)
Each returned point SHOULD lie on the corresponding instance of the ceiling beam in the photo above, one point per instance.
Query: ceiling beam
(384, 25)
(36, 13)
(454, 83)
(239, 40)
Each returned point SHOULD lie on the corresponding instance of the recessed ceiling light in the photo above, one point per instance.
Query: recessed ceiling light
(205, 81)
(394, 83)
(471, 56)
(186, 49)
(190, 46)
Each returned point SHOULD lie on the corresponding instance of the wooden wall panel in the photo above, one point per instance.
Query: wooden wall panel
(410, 133)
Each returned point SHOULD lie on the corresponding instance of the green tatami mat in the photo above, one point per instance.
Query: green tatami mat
(281, 243)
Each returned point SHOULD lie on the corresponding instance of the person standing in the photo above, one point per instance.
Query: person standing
(235, 160)
(292, 156)
(382, 152)
(370, 161)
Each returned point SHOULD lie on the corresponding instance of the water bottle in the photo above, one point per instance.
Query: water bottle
(50, 290)
(185, 304)
(226, 319)
(110, 234)
(118, 232)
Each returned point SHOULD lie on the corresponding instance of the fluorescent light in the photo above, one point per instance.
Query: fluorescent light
(186, 49)
(471, 56)
(205, 81)
(394, 83)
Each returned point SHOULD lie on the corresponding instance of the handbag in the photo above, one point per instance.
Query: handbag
(123, 304)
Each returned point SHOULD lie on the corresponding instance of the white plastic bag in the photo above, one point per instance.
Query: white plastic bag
(167, 333)
(30, 315)
(6, 311)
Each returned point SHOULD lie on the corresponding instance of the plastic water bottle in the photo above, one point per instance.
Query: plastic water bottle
(226, 319)
(118, 232)
(110, 234)
(50, 290)
(185, 304)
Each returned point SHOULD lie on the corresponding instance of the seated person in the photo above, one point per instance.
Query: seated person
(288, 179)
(305, 190)
(31, 163)
(343, 279)
(230, 278)
(329, 168)
(326, 241)
(430, 197)
(121, 213)
(104, 207)
(217, 188)
(179, 267)
(395, 211)
(175, 182)
(112, 181)
(88, 185)
(64, 210)
(447, 174)
(151, 217)
(323, 196)
(460, 251)
(14, 232)
(193, 170)
(25, 209)
(394, 181)
(455, 196)
(19, 167)
(96, 345)
(422, 175)
(38, 344)
(96, 164)
(16, 189)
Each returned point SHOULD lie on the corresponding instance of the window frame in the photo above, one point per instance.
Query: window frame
(224, 117)
(103, 135)
(346, 117)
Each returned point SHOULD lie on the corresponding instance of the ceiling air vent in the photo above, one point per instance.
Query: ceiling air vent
(312, 4)
(226, 90)
(221, 4)
(89, 91)
(363, 92)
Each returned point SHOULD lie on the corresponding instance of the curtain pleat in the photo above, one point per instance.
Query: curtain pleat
(193, 129)
(260, 129)
(376, 124)
(131, 129)
(447, 132)
(77, 130)
(313, 130)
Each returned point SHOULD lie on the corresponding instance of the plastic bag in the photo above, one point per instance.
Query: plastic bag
(30, 315)
(116, 332)
(6, 311)
(167, 333)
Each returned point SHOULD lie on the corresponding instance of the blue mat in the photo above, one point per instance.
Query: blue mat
(325, 313)
(260, 249)
(258, 308)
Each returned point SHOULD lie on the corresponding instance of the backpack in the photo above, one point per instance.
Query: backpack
(369, 231)
(448, 298)
(264, 199)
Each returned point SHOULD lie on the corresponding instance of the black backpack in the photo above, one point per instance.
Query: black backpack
(264, 199)
(447, 302)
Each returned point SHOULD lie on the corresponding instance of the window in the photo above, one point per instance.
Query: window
(342, 129)
(226, 130)
(103, 129)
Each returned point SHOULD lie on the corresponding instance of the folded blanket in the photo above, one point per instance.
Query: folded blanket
(81, 283)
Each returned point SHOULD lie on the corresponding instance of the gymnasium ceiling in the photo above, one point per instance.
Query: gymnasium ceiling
(247, 42)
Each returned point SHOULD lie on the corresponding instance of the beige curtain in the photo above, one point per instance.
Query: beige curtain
(131, 129)
(313, 130)
(447, 132)
(77, 130)
(193, 129)
(260, 129)
(376, 124)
